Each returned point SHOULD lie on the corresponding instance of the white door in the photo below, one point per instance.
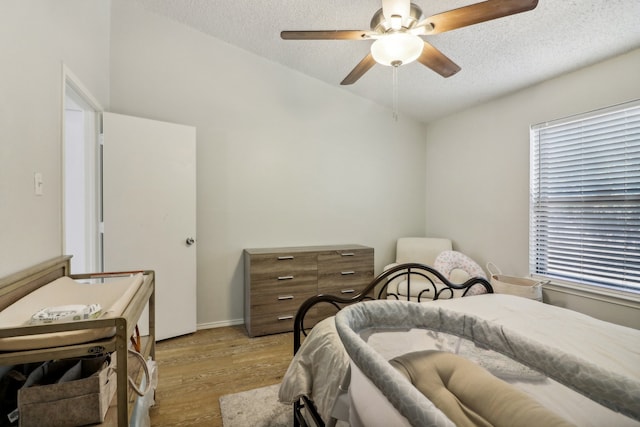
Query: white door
(149, 212)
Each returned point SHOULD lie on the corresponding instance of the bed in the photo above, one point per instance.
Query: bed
(321, 368)
(123, 297)
(376, 362)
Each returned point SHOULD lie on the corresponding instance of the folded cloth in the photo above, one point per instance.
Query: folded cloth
(66, 313)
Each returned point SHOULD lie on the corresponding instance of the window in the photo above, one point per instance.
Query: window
(585, 198)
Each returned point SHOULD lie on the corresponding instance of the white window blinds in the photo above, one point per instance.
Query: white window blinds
(585, 198)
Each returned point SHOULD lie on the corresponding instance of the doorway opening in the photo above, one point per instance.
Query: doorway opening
(82, 235)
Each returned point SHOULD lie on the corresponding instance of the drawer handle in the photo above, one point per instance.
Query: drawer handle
(347, 254)
(285, 297)
(347, 291)
(288, 317)
(285, 277)
(346, 273)
(282, 258)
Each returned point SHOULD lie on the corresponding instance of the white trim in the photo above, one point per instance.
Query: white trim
(72, 80)
(587, 114)
(220, 324)
(69, 79)
(627, 299)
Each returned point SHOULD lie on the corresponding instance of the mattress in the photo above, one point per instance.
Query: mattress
(369, 407)
(321, 363)
(112, 294)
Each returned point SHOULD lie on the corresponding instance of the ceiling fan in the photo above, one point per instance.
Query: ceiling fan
(396, 28)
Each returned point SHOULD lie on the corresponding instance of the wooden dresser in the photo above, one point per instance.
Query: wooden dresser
(278, 280)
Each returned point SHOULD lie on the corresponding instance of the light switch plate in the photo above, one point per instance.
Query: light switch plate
(38, 184)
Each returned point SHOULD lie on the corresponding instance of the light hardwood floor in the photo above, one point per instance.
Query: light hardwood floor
(196, 369)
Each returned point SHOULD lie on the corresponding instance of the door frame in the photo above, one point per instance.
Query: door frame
(73, 88)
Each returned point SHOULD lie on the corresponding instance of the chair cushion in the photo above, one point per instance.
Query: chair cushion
(423, 250)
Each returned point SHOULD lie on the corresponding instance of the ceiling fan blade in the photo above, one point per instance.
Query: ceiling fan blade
(359, 70)
(476, 13)
(326, 35)
(437, 61)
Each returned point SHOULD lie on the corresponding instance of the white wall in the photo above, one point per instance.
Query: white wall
(283, 159)
(477, 166)
(36, 37)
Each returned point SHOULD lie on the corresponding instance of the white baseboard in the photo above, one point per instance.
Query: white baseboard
(220, 324)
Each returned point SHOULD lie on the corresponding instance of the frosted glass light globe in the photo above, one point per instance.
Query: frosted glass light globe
(397, 49)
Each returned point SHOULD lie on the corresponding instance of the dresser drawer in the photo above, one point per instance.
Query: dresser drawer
(273, 323)
(261, 283)
(345, 260)
(276, 264)
(344, 283)
(344, 273)
(284, 302)
(264, 324)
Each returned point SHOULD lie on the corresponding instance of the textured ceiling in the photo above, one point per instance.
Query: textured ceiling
(496, 57)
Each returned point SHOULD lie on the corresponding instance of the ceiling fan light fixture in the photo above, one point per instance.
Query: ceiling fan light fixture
(397, 49)
(396, 22)
(401, 8)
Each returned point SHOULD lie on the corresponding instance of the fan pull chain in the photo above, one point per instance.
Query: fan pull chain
(395, 92)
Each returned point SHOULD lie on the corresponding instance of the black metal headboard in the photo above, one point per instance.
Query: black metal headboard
(444, 289)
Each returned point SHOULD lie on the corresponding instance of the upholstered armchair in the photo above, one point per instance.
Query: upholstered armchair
(423, 250)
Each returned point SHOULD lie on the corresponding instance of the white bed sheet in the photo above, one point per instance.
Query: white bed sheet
(370, 408)
(613, 347)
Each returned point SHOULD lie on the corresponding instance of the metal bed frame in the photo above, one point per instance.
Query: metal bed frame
(443, 289)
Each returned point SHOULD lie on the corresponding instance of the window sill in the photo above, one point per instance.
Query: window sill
(625, 298)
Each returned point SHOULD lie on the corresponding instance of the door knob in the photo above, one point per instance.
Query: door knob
(190, 241)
